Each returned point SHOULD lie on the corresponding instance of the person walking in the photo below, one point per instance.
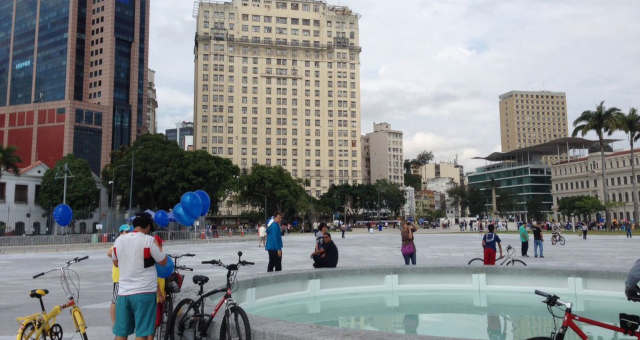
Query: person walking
(489, 241)
(135, 254)
(629, 230)
(585, 229)
(408, 247)
(274, 243)
(262, 236)
(537, 241)
(524, 239)
(115, 275)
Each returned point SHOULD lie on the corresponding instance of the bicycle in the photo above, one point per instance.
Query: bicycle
(190, 320)
(557, 238)
(43, 325)
(173, 284)
(628, 323)
(509, 259)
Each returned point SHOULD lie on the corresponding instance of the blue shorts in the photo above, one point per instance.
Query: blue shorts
(135, 312)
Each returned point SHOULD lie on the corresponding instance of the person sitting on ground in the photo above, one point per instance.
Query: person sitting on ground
(632, 291)
(329, 258)
(319, 249)
(489, 241)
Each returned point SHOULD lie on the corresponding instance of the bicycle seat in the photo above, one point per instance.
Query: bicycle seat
(200, 280)
(38, 293)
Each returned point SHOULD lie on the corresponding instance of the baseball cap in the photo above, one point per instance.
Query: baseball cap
(125, 227)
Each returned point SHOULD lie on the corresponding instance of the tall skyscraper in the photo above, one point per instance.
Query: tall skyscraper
(72, 77)
(382, 155)
(277, 82)
(532, 117)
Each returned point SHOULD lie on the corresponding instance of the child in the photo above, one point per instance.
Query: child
(489, 241)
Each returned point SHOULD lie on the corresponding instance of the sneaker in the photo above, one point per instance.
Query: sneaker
(541, 256)
(536, 256)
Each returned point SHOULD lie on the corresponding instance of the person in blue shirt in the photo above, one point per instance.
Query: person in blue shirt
(489, 241)
(274, 243)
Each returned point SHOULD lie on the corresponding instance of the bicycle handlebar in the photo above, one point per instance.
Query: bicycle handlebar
(246, 263)
(213, 262)
(38, 275)
(183, 255)
(544, 294)
(184, 268)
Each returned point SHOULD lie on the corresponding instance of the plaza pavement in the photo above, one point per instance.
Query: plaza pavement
(358, 249)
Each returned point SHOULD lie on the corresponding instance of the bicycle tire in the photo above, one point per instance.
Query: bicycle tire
(553, 241)
(514, 261)
(236, 331)
(84, 336)
(476, 261)
(175, 325)
(26, 332)
(562, 241)
(167, 310)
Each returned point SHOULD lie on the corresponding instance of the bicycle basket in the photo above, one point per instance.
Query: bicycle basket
(70, 282)
(174, 283)
(629, 322)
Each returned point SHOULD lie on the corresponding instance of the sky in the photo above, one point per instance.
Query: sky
(434, 68)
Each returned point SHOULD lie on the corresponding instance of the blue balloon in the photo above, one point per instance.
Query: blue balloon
(166, 270)
(205, 200)
(62, 214)
(191, 204)
(161, 218)
(180, 215)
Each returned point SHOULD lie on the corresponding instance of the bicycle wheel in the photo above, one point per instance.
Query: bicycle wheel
(180, 324)
(238, 322)
(562, 241)
(84, 336)
(516, 262)
(167, 309)
(553, 241)
(27, 332)
(476, 262)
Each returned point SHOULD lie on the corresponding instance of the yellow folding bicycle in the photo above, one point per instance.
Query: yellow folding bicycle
(43, 325)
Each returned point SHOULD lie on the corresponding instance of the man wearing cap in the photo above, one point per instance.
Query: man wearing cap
(135, 254)
(115, 274)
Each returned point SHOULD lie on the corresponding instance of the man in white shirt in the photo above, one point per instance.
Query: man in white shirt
(135, 254)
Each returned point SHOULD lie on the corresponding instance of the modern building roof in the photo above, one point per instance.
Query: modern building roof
(550, 148)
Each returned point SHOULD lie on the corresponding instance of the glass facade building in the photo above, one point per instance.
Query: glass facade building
(73, 76)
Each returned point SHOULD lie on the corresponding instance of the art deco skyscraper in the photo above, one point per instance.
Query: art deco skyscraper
(278, 83)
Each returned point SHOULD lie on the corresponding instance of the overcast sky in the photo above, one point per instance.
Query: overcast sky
(434, 69)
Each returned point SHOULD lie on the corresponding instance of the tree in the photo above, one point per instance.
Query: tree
(414, 181)
(476, 201)
(506, 202)
(424, 157)
(600, 121)
(274, 187)
(83, 195)
(588, 205)
(9, 160)
(535, 209)
(163, 172)
(391, 196)
(459, 197)
(630, 124)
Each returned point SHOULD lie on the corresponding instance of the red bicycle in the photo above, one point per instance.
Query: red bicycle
(628, 323)
(190, 321)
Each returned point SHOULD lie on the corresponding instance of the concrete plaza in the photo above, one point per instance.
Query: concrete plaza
(356, 250)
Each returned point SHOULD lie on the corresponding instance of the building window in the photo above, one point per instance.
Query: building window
(21, 195)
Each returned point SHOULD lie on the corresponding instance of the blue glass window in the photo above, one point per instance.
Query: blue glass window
(78, 85)
(79, 115)
(88, 117)
(97, 120)
(51, 70)
(6, 14)
(87, 144)
(23, 44)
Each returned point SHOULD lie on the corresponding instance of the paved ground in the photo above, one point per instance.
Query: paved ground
(358, 249)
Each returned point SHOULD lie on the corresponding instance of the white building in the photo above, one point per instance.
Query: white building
(20, 215)
(382, 155)
(409, 208)
(442, 185)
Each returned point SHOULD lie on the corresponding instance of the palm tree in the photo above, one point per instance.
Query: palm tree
(9, 160)
(630, 124)
(601, 121)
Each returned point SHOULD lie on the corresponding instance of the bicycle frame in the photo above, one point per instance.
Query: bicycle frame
(570, 320)
(49, 319)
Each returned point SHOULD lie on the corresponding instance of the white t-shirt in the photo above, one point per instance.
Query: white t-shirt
(262, 231)
(135, 252)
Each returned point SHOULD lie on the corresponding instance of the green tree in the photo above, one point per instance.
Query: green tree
(506, 202)
(567, 206)
(535, 209)
(83, 195)
(9, 160)
(424, 157)
(414, 181)
(476, 201)
(392, 198)
(588, 205)
(630, 124)
(459, 197)
(274, 187)
(163, 172)
(602, 120)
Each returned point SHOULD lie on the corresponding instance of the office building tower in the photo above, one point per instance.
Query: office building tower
(278, 83)
(72, 77)
(382, 155)
(151, 107)
(182, 134)
(529, 118)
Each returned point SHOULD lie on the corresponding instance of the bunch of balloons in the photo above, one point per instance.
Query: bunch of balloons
(192, 205)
